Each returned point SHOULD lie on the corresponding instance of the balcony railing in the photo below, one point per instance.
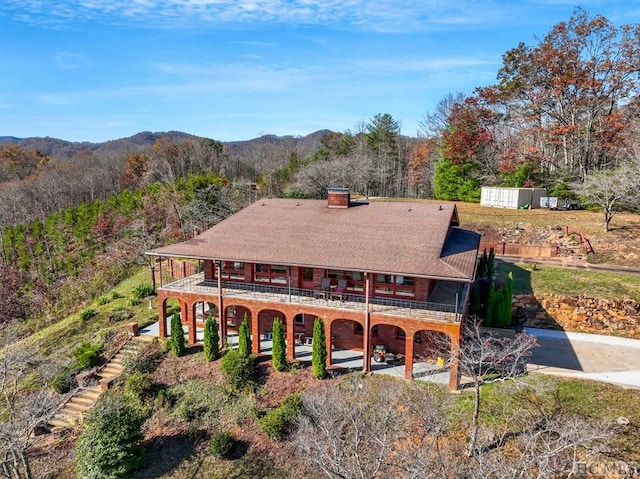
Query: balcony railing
(349, 301)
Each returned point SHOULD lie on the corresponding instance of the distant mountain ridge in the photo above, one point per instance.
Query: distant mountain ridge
(58, 148)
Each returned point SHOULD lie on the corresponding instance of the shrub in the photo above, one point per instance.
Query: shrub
(87, 355)
(244, 337)
(103, 300)
(211, 339)
(278, 356)
(64, 381)
(139, 385)
(222, 444)
(277, 422)
(319, 350)
(238, 370)
(88, 313)
(176, 340)
(142, 291)
(134, 302)
(108, 447)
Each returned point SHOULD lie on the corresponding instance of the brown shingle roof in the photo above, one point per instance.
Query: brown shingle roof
(391, 237)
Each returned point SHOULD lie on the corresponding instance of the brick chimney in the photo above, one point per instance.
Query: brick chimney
(338, 197)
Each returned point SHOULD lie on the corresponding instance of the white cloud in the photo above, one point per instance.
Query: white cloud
(382, 16)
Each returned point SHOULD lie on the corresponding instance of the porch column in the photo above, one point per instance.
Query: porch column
(255, 333)
(366, 340)
(190, 320)
(291, 339)
(408, 355)
(328, 341)
(162, 317)
(454, 377)
(221, 316)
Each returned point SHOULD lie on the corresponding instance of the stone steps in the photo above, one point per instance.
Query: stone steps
(74, 411)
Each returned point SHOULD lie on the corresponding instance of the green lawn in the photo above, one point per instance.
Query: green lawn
(542, 279)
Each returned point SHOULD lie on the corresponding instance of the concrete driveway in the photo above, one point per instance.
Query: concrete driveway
(587, 356)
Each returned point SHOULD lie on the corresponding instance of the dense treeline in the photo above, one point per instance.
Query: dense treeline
(49, 265)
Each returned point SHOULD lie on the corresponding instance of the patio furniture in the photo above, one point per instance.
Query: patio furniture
(308, 340)
(324, 288)
(338, 293)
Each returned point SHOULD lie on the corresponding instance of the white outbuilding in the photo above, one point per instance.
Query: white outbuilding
(514, 198)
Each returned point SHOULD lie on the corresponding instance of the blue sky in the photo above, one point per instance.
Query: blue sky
(96, 70)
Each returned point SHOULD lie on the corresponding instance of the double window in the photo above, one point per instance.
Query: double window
(355, 279)
(394, 285)
(231, 270)
(270, 273)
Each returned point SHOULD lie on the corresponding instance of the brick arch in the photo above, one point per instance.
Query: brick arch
(164, 327)
(200, 315)
(387, 334)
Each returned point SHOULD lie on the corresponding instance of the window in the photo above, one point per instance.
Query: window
(232, 270)
(307, 275)
(355, 279)
(400, 333)
(270, 273)
(299, 319)
(357, 328)
(374, 331)
(392, 285)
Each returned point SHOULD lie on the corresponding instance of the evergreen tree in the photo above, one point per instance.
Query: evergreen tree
(278, 356)
(211, 339)
(244, 337)
(319, 350)
(177, 342)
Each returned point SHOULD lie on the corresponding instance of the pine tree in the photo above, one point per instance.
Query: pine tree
(319, 350)
(278, 356)
(244, 337)
(177, 336)
(211, 339)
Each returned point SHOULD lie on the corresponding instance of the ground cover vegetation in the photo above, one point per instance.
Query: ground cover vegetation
(73, 226)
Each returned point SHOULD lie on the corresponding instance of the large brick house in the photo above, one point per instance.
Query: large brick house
(392, 273)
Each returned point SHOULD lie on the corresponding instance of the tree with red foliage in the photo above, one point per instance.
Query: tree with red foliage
(468, 152)
(563, 96)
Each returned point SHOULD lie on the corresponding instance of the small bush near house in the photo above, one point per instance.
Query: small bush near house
(278, 356)
(244, 337)
(238, 370)
(178, 346)
(222, 444)
(319, 350)
(211, 339)
(277, 422)
(120, 314)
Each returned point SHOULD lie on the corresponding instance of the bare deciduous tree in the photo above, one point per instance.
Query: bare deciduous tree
(612, 190)
(26, 404)
(484, 356)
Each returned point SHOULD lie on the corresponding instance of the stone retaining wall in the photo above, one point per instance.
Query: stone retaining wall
(578, 313)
